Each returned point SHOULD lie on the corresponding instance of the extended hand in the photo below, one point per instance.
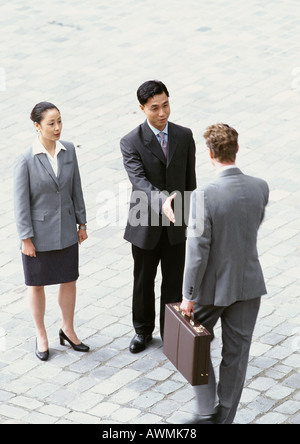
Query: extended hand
(168, 210)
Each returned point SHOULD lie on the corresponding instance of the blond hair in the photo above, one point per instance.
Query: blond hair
(222, 141)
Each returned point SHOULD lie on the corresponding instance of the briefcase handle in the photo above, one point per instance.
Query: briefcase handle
(198, 328)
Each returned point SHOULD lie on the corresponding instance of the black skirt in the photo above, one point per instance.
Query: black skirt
(51, 267)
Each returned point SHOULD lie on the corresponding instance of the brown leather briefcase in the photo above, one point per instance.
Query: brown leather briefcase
(187, 345)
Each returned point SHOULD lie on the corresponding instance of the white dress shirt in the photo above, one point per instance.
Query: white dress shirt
(157, 131)
(38, 148)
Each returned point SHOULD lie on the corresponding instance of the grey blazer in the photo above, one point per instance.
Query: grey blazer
(47, 207)
(222, 264)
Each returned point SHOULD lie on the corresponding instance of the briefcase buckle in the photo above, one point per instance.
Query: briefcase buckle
(198, 329)
(177, 308)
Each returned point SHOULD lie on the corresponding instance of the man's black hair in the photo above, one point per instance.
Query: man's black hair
(149, 89)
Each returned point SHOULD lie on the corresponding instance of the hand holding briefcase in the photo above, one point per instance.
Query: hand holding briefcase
(187, 345)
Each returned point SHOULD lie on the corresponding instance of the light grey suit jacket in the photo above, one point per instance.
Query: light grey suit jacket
(222, 264)
(47, 207)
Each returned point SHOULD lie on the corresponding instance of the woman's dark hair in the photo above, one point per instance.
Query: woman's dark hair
(39, 109)
(150, 89)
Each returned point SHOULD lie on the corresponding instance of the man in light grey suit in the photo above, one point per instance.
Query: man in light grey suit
(223, 277)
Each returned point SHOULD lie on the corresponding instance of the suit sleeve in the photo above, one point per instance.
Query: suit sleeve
(150, 195)
(198, 245)
(265, 192)
(22, 199)
(78, 200)
(191, 182)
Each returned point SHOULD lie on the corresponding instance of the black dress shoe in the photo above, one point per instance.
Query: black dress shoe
(43, 356)
(80, 347)
(139, 343)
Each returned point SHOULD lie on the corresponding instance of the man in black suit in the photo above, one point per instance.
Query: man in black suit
(159, 158)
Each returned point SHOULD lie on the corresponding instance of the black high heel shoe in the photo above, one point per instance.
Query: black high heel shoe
(43, 356)
(80, 348)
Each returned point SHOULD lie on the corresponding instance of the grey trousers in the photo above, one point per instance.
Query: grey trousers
(238, 323)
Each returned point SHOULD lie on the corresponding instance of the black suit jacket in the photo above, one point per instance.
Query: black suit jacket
(153, 178)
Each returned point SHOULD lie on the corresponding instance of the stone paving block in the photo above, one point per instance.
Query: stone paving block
(168, 387)
(84, 401)
(116, 381)
(54, 410)
(262, 384)
(148, 418)
(294, 419)
(42, 391)
(125, 415)
(79, 418)
(104, 409)
(289, 407)
(249, 395)
(12, 412)
(125, 396)
(146, 400)
(25, 402)
(160, 374)
(245, 416)
(293, 360)
(259, 349)
(271, 418)
(166, 408)
(88, 62)
(279, 392)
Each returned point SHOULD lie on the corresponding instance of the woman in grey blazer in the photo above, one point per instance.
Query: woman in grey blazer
(48, 206)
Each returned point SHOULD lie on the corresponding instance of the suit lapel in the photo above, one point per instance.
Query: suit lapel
(46, 164)
(60, 161)
(173, 142)
(152, 143)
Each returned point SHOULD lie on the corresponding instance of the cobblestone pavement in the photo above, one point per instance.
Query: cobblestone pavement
(230, 61)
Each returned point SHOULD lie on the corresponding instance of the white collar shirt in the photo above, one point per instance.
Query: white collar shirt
(38, 148)
(157, 131)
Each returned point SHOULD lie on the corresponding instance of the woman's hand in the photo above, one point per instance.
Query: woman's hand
(28, 248)
(82, 235)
